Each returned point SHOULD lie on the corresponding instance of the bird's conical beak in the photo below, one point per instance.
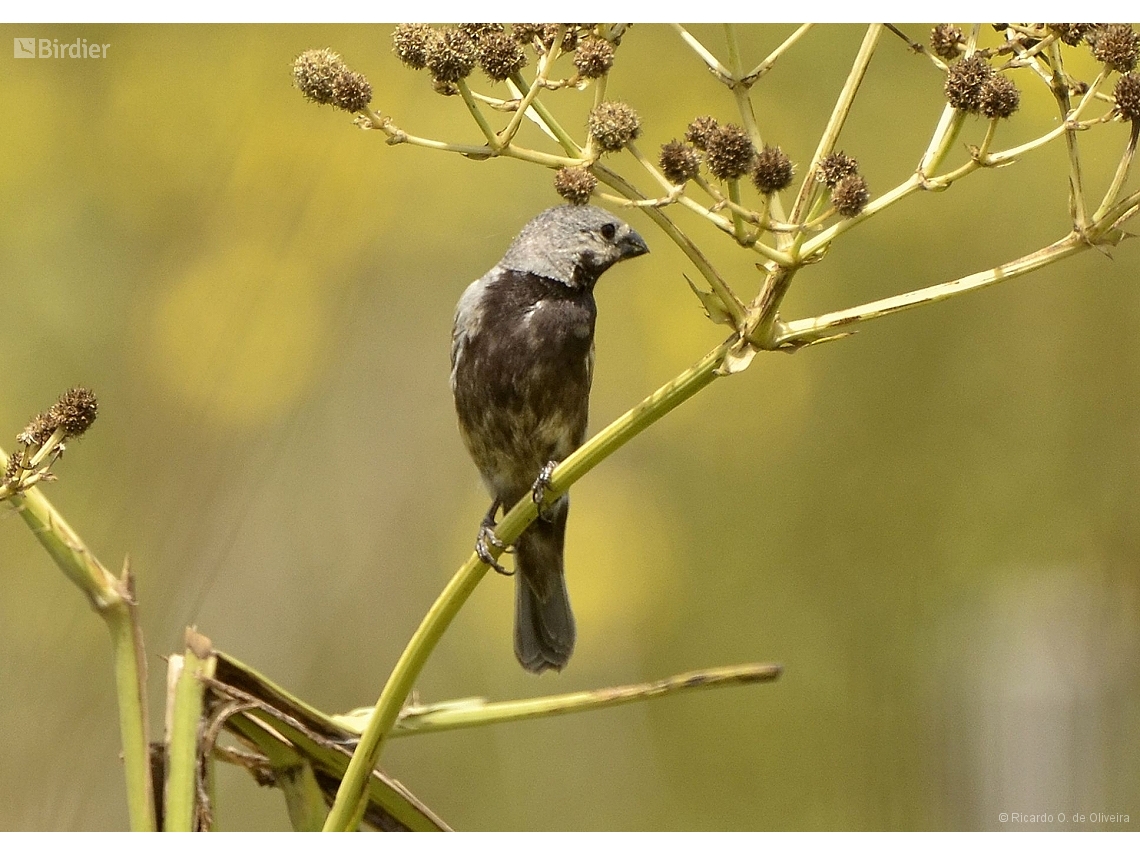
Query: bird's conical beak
(632, 245)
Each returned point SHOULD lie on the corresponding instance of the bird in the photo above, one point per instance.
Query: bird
(522, 361)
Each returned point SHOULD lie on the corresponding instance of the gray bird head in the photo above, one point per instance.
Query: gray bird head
(573, 244)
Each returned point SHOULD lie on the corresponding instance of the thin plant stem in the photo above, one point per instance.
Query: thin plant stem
(455, 715)
(837, 119)
(809, 328)
(714, 65)
(759, 71)
(531, 92)
(1120, 177)
(477, 115)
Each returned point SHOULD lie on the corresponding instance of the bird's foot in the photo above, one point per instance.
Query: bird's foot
(541, 485)
(487, 536)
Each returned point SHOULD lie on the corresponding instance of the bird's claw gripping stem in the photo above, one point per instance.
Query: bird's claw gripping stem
(541, 485)
(487, 536)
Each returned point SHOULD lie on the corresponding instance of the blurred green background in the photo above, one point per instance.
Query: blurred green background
(933, 525)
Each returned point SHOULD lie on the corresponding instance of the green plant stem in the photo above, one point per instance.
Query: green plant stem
(477, 115)
(531, 92)
(185, 700)
(737, 220)
(714, 65)
(1120, 177)
(759, 71)
(113, 600)
(475, 712)
(564, 139)
(836, 121)
(833, 321)
(348, 798)
(742, 93)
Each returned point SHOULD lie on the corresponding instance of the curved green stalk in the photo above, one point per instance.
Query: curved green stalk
(345, 809)
(113, 600)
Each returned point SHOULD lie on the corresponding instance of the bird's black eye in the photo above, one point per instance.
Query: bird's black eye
(608, 230)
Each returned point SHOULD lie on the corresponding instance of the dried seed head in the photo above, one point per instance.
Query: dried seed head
(613, 124)
(1116, 45)
(322, 76)
(525, 33)
(679, 162)
(1127, 94)
(444, 87)
(38, 430)
(593, 58)
(1000, 98)
(480, 31)
(1071, 34)
(699, 129)
(13, 467)
(352, 92)
(75, 410)
(411, 43)
(500, 56)
(315, 72)
(964, 83)
(850, 196)
(575, 184)
(772, 171)
(835, 167)
(946, 41)
(452, 56)
(730, 152)
(549, 32)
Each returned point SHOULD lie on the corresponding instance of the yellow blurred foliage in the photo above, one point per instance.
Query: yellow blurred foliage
(238, 336)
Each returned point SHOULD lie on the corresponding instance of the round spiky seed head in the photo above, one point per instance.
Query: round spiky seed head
(1071, 34)
(37, 431)
(613, 124)
(411, 43)
(575, 184)
(481, 31)
(679, 162)
(500, 56)
(352, 92)
(1000, 98)
(699, 129)
(75, 410)
(730, 152)
(964, 83)
(946, 40)
(593, 58)
(1127, 94)
(835, 167)
(772, 171)
(451, 57)
(525, 33)
(547, 33)
(850, 196)
(1116, 45)
(315, 72)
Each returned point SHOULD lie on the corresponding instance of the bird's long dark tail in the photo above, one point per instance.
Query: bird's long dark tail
(544, 624)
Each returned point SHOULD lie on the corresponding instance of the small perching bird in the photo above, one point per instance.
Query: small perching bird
(522, 358)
